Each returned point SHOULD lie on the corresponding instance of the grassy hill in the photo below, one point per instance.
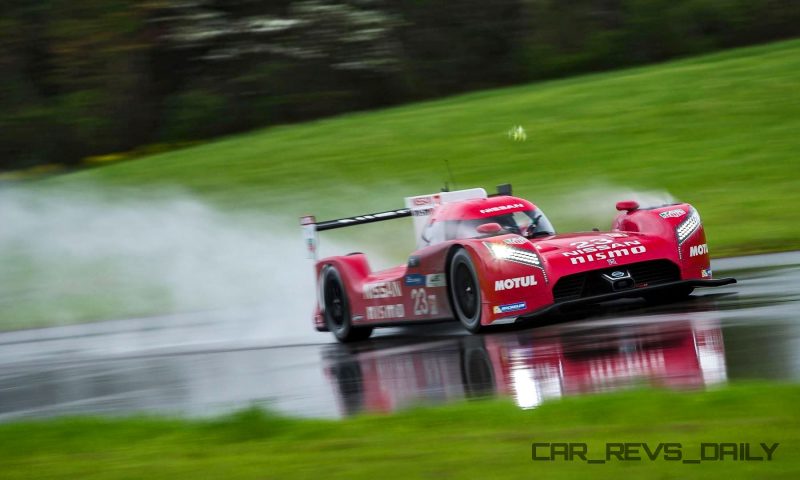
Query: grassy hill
(719, 131)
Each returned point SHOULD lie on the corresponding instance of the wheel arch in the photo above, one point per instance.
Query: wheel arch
(477, 267)
(477, 258)
(352, 268)
(448, 259)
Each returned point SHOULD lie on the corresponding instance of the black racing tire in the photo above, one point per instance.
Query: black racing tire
(465, 291)
(672, 295)
(337, 309)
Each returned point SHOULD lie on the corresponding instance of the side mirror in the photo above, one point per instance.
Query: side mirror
(489, 228)
(627, 205)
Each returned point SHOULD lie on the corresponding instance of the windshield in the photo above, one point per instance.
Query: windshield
(529, 223)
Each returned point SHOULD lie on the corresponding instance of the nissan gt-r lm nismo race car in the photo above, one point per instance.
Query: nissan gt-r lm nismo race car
(496, 259)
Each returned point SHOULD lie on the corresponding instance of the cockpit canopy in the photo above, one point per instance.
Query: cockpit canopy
(514, 216)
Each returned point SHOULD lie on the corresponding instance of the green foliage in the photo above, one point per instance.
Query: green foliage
(193, 114)
(108, 76)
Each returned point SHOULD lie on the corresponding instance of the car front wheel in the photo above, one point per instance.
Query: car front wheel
(465, 291)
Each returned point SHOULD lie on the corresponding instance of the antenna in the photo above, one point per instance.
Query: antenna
(449, 173)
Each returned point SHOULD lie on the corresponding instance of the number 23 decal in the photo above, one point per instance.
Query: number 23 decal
(424, 304)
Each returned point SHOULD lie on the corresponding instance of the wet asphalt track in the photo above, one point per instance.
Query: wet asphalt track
(198, 365)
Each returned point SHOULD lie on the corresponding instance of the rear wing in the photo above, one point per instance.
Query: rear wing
(311, 227)
(420, 207)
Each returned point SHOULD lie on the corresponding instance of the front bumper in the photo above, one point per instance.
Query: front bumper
(630, 293)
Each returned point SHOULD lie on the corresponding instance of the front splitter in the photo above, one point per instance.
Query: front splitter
(630, 293)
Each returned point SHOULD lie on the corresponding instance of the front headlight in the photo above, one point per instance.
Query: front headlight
(502, 251)
(688, 226)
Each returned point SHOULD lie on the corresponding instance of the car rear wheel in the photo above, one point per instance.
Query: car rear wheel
(337, 309)
(465, 291)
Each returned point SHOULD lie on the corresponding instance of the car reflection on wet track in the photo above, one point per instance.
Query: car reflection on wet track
(530, 366)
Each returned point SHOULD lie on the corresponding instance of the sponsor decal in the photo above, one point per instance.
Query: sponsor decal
(382, 290)
(435, 280)
(705, 272)
(511, 307)
(603, 249)
(610, 255)
(414, 280)
(696, 250)
(424, 201)
(676, 213)
(424, 304)
(413, 262)
(615, 235)
(385, 312)
(515, 240)
(421, 213)
(501, 208)
(514, 283)
(601, 243)
(612, 261)
(423, 205)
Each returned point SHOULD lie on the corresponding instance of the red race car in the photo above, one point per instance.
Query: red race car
(496, 259)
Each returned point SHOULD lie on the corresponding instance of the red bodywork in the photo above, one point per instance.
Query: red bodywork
(511, 289)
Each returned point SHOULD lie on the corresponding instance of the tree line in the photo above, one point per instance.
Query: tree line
(89, 77)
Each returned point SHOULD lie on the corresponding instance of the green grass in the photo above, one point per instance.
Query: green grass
(719, 131)
(488, 439)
